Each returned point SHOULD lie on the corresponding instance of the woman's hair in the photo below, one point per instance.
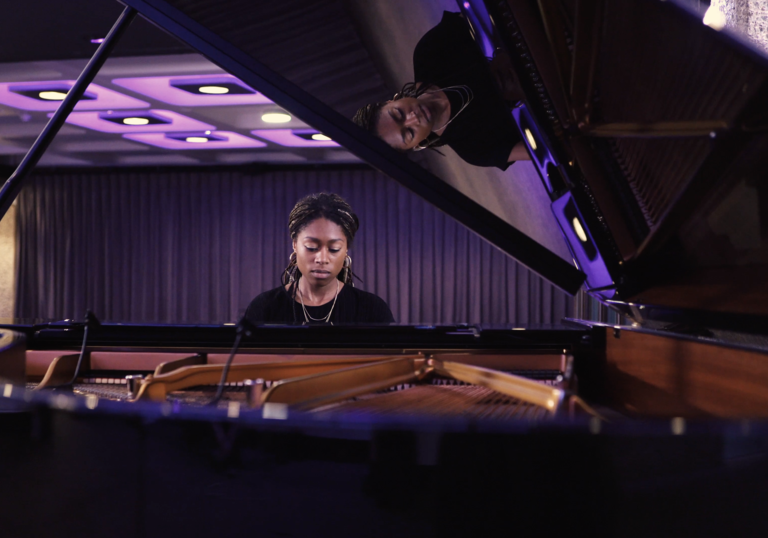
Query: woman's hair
(327, 206)
(368, 116)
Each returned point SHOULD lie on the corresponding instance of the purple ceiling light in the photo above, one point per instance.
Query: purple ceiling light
(203, 90)
(194, 140)
(48, 95)
(137, 121)
(296, 138)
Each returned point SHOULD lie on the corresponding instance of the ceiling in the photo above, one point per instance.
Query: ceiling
(45, 41)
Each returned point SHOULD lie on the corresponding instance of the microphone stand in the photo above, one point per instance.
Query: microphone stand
(244, 328)
(91, 321)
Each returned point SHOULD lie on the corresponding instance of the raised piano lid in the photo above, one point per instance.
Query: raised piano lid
(459, 195)
(660, 151)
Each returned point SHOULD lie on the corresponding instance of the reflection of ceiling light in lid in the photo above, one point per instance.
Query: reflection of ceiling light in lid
(579, 229)
(320, 137)
(531, 140)
(275, 117)
(196, 139)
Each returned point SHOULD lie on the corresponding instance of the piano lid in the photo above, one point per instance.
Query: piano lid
(653, 124)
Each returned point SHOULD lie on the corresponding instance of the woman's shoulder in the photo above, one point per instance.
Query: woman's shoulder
(362, 295)
(270, 295)
(266, 305)
(370, 306)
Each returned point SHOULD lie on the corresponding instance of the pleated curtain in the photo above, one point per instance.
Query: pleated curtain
(196, 246)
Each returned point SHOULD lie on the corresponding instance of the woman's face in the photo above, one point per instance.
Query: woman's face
(406, 122)
(320, 248)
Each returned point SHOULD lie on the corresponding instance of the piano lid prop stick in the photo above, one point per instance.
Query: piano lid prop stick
(12, 187)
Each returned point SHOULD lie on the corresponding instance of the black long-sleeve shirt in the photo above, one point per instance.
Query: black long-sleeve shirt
(484, 133)
(352, 306)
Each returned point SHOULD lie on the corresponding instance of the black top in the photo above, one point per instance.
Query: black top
(484, 133)
(352, 306)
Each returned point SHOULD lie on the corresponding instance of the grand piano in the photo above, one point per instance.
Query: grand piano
(648, 132)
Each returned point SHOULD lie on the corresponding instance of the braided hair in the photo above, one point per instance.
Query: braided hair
(327, 206)
(368, 116)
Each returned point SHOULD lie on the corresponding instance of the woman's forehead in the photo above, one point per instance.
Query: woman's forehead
(323, 229)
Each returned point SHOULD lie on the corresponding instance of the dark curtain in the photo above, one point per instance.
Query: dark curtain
(197, 246)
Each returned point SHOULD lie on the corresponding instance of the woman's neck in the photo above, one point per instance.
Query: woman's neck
(318, 294)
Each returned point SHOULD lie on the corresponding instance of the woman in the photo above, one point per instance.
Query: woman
(317, 285)
(454, 102)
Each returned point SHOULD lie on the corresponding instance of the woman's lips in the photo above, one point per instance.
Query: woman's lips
(320, 273)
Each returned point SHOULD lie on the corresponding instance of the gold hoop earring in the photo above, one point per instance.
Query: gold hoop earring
(290, 271)
(347, 268)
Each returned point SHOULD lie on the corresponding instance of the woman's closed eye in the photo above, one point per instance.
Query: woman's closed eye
(315, 249)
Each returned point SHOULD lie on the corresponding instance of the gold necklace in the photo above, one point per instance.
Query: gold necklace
(307, 317)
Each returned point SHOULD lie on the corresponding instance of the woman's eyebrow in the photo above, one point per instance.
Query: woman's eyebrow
(318, 240)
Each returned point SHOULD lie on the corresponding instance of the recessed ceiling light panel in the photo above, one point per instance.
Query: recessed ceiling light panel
(53, 92)
(212, 87)
(137, 121)
(296, 138)
(198, 137)
(42, 96)
(194, 140)
(203, 90)
(276, 117)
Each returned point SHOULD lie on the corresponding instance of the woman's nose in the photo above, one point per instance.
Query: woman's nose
(411, 118)
(321, 256)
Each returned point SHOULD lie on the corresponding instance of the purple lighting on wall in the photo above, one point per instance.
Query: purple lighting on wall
(179, 90)
(97, 40)
(178, 141)
(101, 98)
(295, 138)
(159, 121)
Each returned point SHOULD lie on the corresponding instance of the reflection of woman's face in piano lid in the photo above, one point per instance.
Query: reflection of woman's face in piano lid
(320, 247)
(405, 122)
